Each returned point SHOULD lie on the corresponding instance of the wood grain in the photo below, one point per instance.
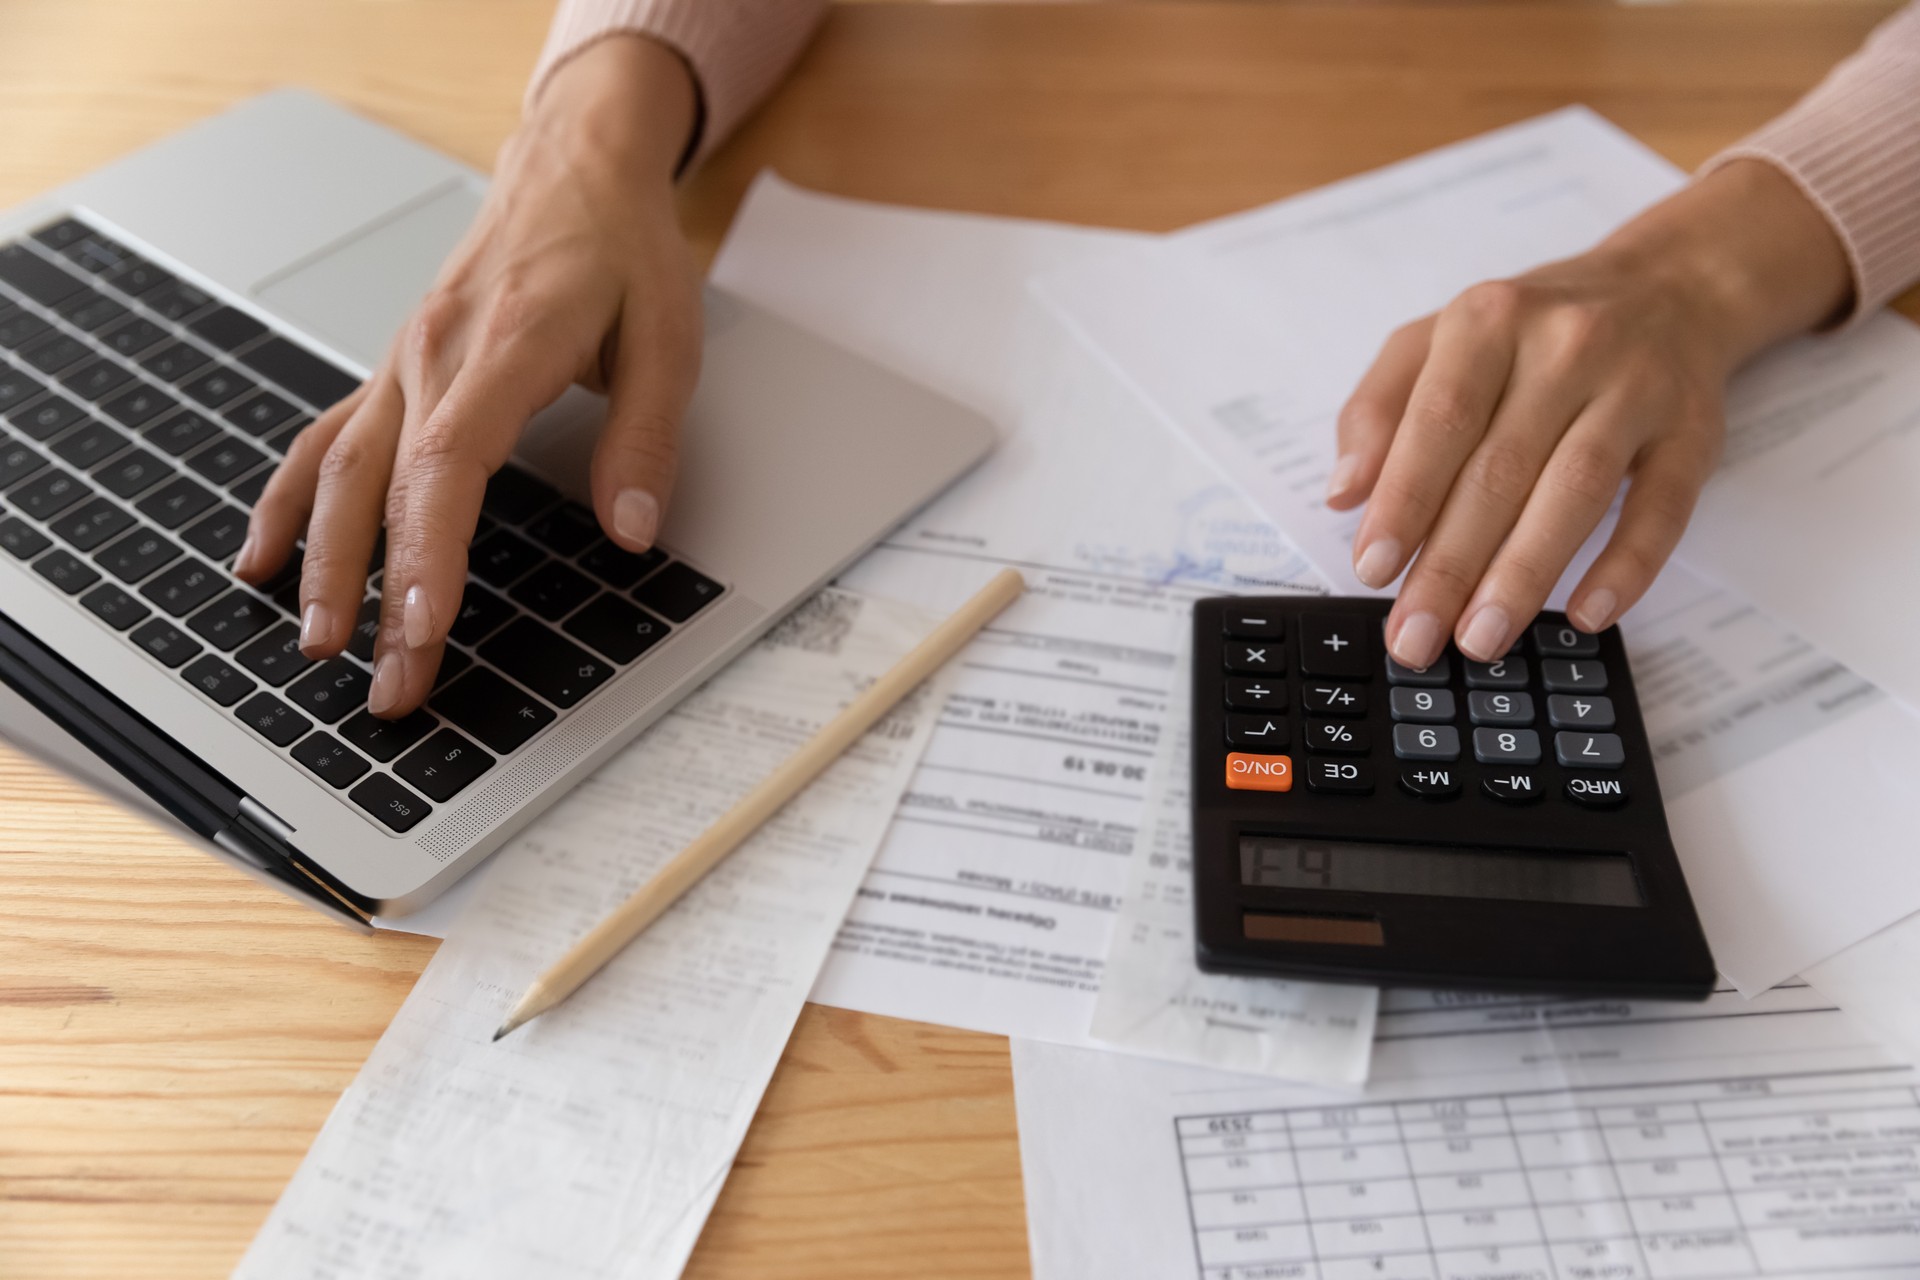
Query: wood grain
(172, 1036)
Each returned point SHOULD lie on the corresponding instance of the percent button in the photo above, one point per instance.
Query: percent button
(1337, 738)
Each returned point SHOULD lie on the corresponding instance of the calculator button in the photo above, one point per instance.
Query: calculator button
(1484, 706)
(1337, 738)
(1426, 742)
(1256, 731)
(1558, 640)
(1247, 772)
(1334, 699)
(1350, 776)
(1256, 657)
(1506, 673)
(1431, 783)
(1506, 746)
(1598, 792)
(1433, 677)
(1254, 694)
(1589, 750)
(1334, 644)
(1515, 786)
(1248, 622)
(1571, 711)
(1432, 706)
(1562, 676)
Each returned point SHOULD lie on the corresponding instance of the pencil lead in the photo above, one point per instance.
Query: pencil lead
(504, 1028)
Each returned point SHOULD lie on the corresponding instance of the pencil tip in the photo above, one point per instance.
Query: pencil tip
(504, 1028)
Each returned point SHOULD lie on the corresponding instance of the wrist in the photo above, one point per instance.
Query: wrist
(625, 104)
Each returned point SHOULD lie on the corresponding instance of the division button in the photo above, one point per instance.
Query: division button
(1259, 773)
(1337, 738)
(1429, 706)
(1486, 706)
(1426, 742)
(1256, 657)
(1571, 711)
(1506, 746)
(1335, 644)
(1263, 732)
(1515, 786)
(1433, 677)
(1558, 640)
(1503, 673)
(1246, 620)
(390, 802)
(1353, 777)
(1254, 694)
(1598, 792)
(1431, 782)
(1579, 676)
(1334, 699)
(1589, 750)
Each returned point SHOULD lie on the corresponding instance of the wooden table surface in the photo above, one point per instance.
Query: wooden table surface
(171, 1036)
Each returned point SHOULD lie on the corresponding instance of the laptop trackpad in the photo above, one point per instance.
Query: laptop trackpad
(355, 294)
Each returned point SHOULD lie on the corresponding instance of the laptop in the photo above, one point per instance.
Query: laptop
(170, 323)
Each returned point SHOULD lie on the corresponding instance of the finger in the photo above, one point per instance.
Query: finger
(348, 499)
(655, 368)
(1447, 415)
(1660, 500)
(284, 505)
(1368, 419)
(1578, 484)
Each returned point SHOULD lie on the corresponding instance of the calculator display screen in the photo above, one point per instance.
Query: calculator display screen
(1594, 879)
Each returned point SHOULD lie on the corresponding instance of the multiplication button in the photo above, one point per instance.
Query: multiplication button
(1256, 657)
(1255, 694)
(1353, 777)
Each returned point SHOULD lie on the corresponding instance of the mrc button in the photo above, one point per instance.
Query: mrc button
(1600, 792)
(1247, 772)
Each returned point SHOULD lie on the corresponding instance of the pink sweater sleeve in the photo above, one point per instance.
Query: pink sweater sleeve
(1853, 146)
(738, 49)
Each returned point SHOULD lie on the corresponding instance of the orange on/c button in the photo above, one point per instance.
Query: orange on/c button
(1259, 773)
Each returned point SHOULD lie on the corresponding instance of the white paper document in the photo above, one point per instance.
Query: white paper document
(1499, 1139)
(593, 1141)
(992, 900)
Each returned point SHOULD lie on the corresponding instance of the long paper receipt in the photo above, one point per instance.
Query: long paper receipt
(593, 1141)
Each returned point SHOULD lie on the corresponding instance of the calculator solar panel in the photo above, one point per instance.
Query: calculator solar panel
(1493, 825)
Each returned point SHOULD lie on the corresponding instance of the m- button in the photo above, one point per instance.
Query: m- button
(1247, 772)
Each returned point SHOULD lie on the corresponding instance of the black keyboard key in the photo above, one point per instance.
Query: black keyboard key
(88, 526)
(173, 299)
(176, 502)
(444, 765)
(17, 387)
(96, 255)
(136, 555)
(677, 592)
(553, 590)
(91, 445)
(281, 439)
(620, 630)
(1354, 777)
(95, 380)
(17, 462)
(1335, 644)
(227, 328)
(181, 432)
(67, 231)
(138, 405)
(492, 710)
(481, 614)
(566, 530)
(515, 497)
(260, 413)
(541, 659)
(331, 690)
(133, 472)
(218, 386)
(248, 491)
(166, 642)
(133, 337)
(620, 568)
(21, 328)
(66, 571)
(233, 619)
(225, 460)
(218, 535)
(49, 493)
(385, 739)
(52, 352)
(213, 677)
(331, 760)
(501, 556)
(366, 630)
(273, 719)
(185, 587)
(175, 362)
(115, 607)
(390, 802)
(34, 276)
(275, 657)
(47, 417)
(90, 310)
(452, 662)
(137, 278)
(300, 371)
(21, 540)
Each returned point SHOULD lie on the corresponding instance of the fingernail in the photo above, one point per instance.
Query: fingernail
(385, 690)
(1487, 634)
(1418, 641)
(316, 624)
(1342, 478)
(1596, 611)
(1379, 562)
(245, 554)
(416, 617)
(636, 516)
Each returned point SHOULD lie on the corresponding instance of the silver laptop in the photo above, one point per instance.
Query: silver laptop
(170, 323)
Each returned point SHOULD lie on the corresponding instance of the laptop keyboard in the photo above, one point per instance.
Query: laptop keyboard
(142, 417)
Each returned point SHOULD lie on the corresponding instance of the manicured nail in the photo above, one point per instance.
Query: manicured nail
(1418, 641)
(416, 617)
(1488, 634)
(1342, 478)
(636, 516)
(1596, 611)
(1379, 562)
(316, 624)
(385, 690)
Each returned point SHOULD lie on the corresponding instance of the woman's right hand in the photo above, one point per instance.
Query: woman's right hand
(575, 271)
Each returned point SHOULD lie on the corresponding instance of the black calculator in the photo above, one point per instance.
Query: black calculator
(1489, 825)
